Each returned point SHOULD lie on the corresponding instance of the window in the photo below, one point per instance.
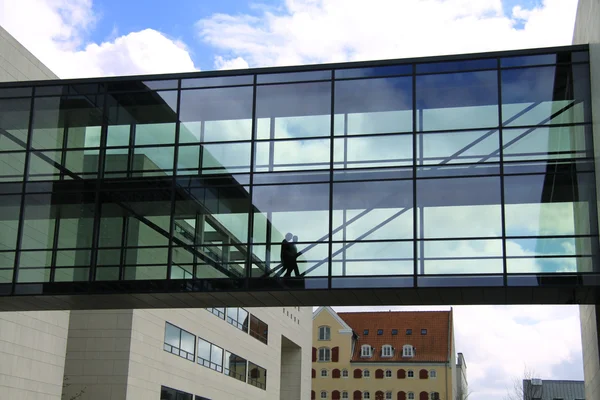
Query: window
(323, 394)
(388, 373)
(344, 373)
(366, 332)
(259, 330)
(323, 373)
(324, 333)
(410, 373)
(379, 332)
(218, 311)
(394, 332)
(210, 355)
(238, 317)
(366, 395)
(167, 393)
(179, 342)
(235, 366)
(388, 395)
(423, 331)
(433, 373)
(257, 376)
(407, 350)
(366, 373)
(434, 396)
(344, 395)
(411, 396)
(324, 354)
(365, 350)
(409, 331)
(387, 351)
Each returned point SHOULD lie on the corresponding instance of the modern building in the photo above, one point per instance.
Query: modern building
(383, 355)
(182, 354)
(462, 383)
(538, 389)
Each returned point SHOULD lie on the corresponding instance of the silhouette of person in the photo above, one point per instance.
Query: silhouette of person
(287, 252)
(292, 259)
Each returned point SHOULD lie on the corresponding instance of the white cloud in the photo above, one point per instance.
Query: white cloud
(310, 31)
(235, 63)
(55, 31)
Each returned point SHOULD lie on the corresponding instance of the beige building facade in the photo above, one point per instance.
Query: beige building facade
(383, 355)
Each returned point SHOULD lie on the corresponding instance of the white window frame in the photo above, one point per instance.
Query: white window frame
(366, 350)
(410, 373)
(408, 351)
(345, 395)
(366, 395)
(345, 373)
(326, 356)
(366, 373)
(323, 394)
(324, 373)
(433, 374)
(324, 332)
(385, 374)
(388, 396)
(411, 396)
(386, 348)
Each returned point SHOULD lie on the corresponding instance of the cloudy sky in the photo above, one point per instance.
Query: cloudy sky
(82, 38)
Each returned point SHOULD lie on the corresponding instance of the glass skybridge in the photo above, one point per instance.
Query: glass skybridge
(463, 179)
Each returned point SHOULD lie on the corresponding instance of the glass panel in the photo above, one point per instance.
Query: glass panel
(445, 204)
(235, 366)
(153, 161)
(291, 155)
(551, 204)
(466, 100)
(372, 210)
(38, 224)
(146, 134)
(460, 257)
(373, 258)
(118, 135)
(551, 247)
(77, 117)
(452, 66)
(157, 85)
(373, 151)
(14, 123)
(522, 61)
(458, 147)
(15, 92)
(210, 115)
(547, 143)
(203, 349)
(293, 110)
(373, 106)
(172, 335)
(546, 95)
(293, 77)
(373, 71)
(550, 265)
(12, 166)
(218, 81)
(34, 275)
(188, 342)
(145, 273)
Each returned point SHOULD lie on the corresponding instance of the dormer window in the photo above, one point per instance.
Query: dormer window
(324, 333)
(365, 332)
(408, 351)
(366, 350)
(387, 351)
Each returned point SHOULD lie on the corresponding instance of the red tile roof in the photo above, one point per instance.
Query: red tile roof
(432, 347)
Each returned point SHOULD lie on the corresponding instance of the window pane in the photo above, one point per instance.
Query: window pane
(292, 155)
(373, 258)
(209, 115)
(218, 81)
(451, 66)
(373, 106)
(303, 109)
(458, 147)
(172, 335)
(14, 120)
(204, 349)
(460, 257)
(445, 204)
(9, 221)
(146, 134)
(373, 151)
(546, 95)
(373, 71)
(546, 143)
(216, 355)
(293, 77)
(464, 100)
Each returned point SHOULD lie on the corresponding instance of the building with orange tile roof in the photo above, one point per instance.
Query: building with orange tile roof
(395, 355)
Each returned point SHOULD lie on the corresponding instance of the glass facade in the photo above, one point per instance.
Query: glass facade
(389, 174)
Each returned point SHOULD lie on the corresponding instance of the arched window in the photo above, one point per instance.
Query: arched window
(433, 373)
(345, 395)
(388, 395)
(324, 373)
(411, 396)
(323, 394)
(388, 373)
(434, 396)
(366, 373)
(407, 351)
(410, 373)
(365, 350)
(387, 351)
(324, 354)
(366, 395)
(344, 373)
(324, 333)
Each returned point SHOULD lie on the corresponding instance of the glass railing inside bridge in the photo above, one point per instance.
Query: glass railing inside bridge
(460, 166)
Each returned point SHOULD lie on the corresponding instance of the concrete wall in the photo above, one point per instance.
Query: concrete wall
(587, 30)
(32, 344)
